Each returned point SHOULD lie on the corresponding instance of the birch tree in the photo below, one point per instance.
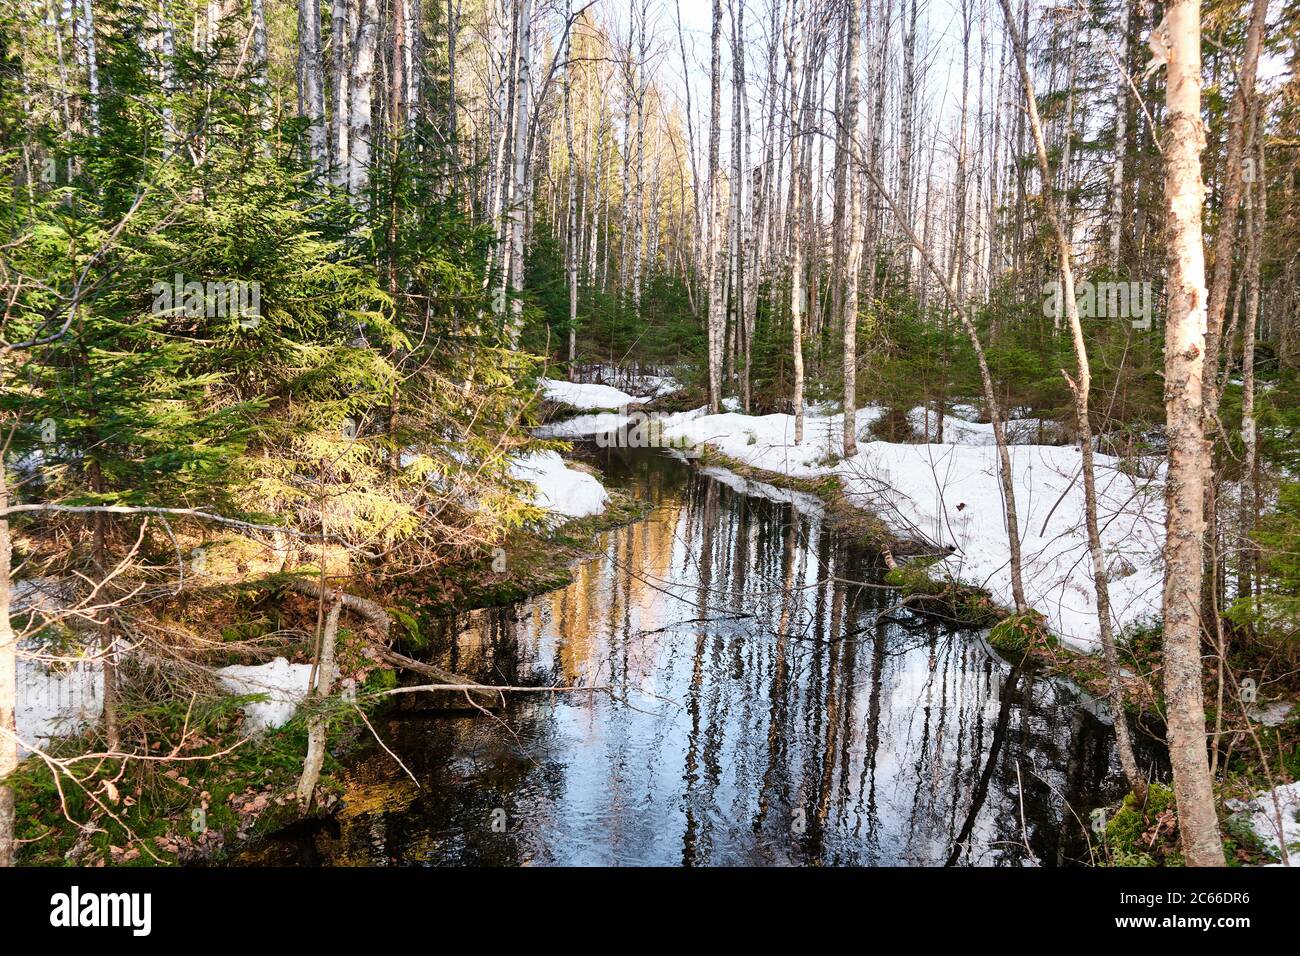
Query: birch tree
(717, 320)
(311, 81)
(849, 184)
(360, 93)
(339, 76)
(1179, 41)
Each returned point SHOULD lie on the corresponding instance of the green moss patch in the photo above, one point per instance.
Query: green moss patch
(1144, 833)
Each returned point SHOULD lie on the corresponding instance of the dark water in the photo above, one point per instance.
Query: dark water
(766, 707)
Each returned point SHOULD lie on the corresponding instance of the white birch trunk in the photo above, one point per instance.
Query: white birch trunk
(1189, 455)
(360, 121)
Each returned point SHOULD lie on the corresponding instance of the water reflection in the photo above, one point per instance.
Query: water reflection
(767, 704)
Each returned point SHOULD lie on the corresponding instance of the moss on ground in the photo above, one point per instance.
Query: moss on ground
(1144, 833)
(530, 561)
(1016, 635)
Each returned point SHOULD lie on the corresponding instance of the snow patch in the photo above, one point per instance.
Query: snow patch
(1262, 811)
(56, 702)
(584, 395)
(285, 686)
(54, 698)
(560, 489)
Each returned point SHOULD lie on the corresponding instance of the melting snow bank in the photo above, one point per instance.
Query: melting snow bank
(560, 489)
(950, 496)
(284, 684)
(588, 396)
(584, 395)
(1262, 814)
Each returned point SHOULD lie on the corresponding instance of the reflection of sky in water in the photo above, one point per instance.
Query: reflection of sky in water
(765, 715)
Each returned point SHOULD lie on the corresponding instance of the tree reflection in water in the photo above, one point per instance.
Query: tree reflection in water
(770, 710)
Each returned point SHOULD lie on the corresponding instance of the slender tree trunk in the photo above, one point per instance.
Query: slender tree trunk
(907, 134)
(453, 126)
(1225, 237)
(92, 62)
(797, 293)
(717, 320)
(8, 689)
(361, 122)
(1189, 454)
(571, 255)
(1081, 387)
(259, 48)
(519, 186)
(1224, 242)
(1121, 138)
(339, 71)
(1256, 215)
(311, 93)
(167, 68)
(318, 725)
(850, 182)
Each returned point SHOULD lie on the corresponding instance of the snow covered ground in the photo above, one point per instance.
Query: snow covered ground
(560, 489)
(1263, 815)
(950, 496)
(629, 388)
(54, 698)
(585, 395)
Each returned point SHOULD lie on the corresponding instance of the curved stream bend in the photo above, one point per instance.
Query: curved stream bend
(764, 712)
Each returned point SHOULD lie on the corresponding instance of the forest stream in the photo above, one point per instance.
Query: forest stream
(766, 703)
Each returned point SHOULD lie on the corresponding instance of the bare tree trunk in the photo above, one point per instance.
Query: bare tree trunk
(92, 62)
(797, 294)
(1256, 218)
(638, 207)
(907, 133)
(453, 27)
(519, 153)
(736, 206)
(1224, 241)
(259, 48)
(717, 321)
(339, 70)
(1189, 454)
(318, 724)
(571, 257)
(851, 182)
(1121, 137)
(1225, 236)
(167, 68)
(8, 690)
(311, 80)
